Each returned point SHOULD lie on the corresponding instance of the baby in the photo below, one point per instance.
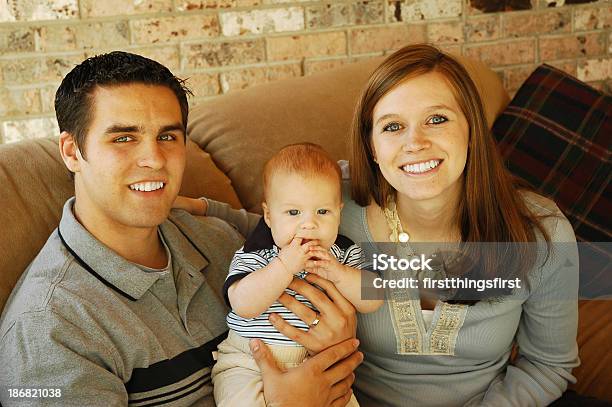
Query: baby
(297, 234)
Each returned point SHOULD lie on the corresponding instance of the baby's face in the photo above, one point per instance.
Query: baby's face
(308, 208)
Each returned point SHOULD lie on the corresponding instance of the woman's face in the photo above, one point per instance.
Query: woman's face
(420, 138)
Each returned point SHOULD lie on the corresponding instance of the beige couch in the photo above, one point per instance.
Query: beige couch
(234, 135)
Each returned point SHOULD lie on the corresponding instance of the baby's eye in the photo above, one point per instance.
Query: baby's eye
(437, 119)
(122, 139)
(392, 127)
(323, 211)
(293, 212)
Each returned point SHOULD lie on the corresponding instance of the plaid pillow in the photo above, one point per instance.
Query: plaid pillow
(556, 134)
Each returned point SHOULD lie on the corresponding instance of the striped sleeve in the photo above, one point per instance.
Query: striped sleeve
(354, 257)
(242, 264)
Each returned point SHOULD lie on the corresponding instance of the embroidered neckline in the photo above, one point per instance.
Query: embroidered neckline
(403, 307)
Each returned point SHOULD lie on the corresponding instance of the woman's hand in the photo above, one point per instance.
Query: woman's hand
(192, 205)
(337, 319)
(322, 381)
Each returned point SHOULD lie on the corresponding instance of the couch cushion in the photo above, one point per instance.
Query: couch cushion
(243, 129)
(203, 178)
(35, 185)
(594, 329)
(555, 134)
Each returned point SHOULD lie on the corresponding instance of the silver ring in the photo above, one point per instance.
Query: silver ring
(315, 322)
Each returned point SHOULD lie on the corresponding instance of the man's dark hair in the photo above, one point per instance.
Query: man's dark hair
(73, 99)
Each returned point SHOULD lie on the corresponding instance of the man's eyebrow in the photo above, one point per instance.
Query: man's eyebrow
(126, 128)
(122, 128)
(172, 127)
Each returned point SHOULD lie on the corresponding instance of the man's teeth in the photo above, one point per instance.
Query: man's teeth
(421, 167)
(147, 186)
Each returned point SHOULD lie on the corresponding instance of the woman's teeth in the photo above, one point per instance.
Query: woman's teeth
(421, 167)
(147, 186)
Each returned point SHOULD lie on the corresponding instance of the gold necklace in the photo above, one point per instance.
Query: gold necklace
(395, 224)
(405, 250)
(398, 235)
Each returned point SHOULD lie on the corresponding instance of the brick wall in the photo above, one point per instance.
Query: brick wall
(223, 45)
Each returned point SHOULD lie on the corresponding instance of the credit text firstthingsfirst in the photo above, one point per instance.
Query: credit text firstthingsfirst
(383, 262)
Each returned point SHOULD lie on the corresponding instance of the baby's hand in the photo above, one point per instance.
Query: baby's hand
(295, 255)
(324, 264)
(192, 205)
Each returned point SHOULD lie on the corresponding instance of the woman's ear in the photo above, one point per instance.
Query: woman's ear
(70, 152)
(266, 213)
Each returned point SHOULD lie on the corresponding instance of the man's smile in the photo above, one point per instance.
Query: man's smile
(147, 186)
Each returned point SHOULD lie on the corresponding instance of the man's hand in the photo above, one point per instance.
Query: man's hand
(337, 319)
(192, 205)
(322, 381)
(295, 255)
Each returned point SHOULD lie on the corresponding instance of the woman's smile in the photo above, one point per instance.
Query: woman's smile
(422, 168)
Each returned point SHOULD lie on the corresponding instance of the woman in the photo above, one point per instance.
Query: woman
(424, 164)
(424, 168)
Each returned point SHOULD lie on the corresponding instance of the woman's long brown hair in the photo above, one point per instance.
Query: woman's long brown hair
(490, 209)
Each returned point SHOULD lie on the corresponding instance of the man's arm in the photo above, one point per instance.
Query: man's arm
(244, 221)
(45, 350)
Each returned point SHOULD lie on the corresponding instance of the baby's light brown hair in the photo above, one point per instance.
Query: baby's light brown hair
(308, 160)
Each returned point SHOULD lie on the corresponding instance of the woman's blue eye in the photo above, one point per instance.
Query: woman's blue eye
(438, 119)
(293, 212)
(392, 127)
(323, 211)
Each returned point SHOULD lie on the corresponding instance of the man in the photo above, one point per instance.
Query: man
(123, 303)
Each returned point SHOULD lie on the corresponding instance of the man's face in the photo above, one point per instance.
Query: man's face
(135, 149)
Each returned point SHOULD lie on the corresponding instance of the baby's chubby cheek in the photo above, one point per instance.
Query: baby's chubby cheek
(282, 238)
(328, 241)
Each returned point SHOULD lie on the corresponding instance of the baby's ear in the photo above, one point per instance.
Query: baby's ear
(266, 213)
(341, 205)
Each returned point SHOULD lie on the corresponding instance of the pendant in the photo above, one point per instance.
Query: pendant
(403, 237)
